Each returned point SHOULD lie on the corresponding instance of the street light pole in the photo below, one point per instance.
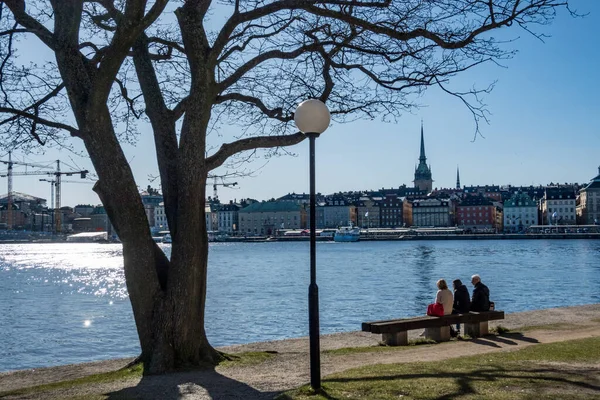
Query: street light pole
(312, 118)
(313, 289)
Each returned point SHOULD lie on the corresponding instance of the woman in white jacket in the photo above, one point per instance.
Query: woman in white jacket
(444, 296)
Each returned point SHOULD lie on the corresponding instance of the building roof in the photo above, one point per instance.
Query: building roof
(272, 206)
(21, 198)
(430, 202)
(595, 182)
(482, 189)
(230, 207)
(295, 197)
(559, 193)
(478, 200)
(520, 199)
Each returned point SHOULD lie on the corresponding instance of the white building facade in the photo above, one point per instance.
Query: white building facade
(520, 212)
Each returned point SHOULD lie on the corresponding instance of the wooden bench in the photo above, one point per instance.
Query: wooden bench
(395, 332)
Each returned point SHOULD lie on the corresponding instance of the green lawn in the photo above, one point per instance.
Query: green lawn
(565, 370)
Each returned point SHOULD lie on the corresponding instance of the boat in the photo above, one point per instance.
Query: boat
(347, 234)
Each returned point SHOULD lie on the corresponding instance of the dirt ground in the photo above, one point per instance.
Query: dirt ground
(289, 368)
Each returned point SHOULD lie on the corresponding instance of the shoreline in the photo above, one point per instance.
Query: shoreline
(586, 316)
(262, 239)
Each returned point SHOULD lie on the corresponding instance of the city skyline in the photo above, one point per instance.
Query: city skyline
(543, 128)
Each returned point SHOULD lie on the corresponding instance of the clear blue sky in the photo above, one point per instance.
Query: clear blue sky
(544, 127)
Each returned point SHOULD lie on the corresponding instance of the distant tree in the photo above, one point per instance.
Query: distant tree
(107, 63)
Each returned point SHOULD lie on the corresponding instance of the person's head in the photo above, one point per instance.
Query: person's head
(456, 283)
(441, 284)
(475, 279)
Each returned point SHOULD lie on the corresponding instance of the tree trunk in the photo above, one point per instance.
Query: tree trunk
(167, 297)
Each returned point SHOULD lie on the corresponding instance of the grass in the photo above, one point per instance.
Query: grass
(136, 371)
(499, 330)
(549, 327)
(379, 349)
(546, 371)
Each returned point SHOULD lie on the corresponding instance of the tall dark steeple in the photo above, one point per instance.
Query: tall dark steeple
(457, 178)
(422, 158)
(423, 172)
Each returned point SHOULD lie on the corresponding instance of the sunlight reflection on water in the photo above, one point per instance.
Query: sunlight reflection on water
(68, 303)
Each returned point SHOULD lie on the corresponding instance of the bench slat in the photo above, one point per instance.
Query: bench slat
(407, 324)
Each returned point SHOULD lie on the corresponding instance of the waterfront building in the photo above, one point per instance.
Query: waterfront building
(431, 212)
(589, 202)
(476, 212)
(150, 199)
(499, 223)
(520, 212)
(457, 179)
(423, 179)
(100, 221)
(367, 211)
(558, 206)
(264, 218)
(24, 206)
(228, 216)
(160, 218)
(210, 215)
(337, 211)
(390, 211)
(84, 210)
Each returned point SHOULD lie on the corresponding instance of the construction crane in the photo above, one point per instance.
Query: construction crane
(9, 174)
(53, 184)
(57, 178)
(215, 184)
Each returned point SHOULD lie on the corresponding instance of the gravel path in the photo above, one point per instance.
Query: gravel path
(290, 367)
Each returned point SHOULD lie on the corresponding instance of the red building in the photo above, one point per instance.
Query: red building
(476, 212)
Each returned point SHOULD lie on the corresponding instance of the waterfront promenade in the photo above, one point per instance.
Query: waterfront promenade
(288, 367)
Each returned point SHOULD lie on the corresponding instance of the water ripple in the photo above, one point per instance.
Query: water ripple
(67, 303)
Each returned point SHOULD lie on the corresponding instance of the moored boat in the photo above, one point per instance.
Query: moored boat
(347, 234)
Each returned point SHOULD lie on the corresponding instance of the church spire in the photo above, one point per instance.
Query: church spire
(422, 157)
(457, 178)
(423, 172)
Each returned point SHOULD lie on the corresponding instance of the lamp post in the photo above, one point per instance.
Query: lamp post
(312, 118)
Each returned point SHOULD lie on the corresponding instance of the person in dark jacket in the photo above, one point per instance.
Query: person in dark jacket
(462, 301)
(481, 295)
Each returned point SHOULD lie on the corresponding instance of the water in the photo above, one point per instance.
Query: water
(67, 303)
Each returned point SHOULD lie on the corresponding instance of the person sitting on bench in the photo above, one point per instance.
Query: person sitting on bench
(462, 301)
(481, 295)
(444, 296)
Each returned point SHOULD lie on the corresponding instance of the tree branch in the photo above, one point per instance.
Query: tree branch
(17, 7)
(229, 149)
(42, 121)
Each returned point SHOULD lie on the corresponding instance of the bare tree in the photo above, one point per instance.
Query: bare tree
(113, 62)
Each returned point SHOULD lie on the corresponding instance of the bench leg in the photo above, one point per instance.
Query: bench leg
(441, 334)
(477, 329)
(395, 339)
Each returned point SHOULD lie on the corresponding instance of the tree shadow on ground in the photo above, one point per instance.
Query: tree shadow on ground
(541, 378)
(197, 384)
